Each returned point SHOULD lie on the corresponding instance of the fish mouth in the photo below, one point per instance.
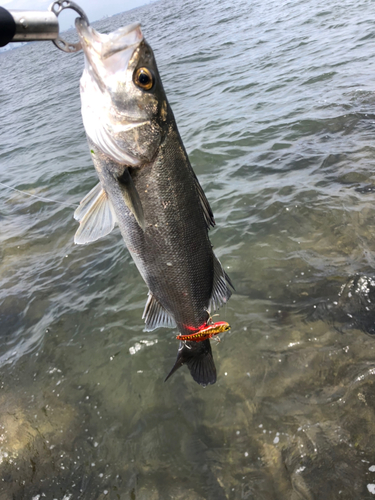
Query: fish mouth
(107, 45)
(108, 56)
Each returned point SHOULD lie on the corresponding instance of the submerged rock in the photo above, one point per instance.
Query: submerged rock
(33, 447)
(353, 308)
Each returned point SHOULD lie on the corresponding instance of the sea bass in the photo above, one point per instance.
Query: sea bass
(148, 187)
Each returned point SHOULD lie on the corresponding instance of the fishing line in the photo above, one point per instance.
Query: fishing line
(38, 197)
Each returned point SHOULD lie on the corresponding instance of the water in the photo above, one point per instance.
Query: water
(275, 103)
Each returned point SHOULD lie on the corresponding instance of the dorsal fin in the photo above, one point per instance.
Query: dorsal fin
(207, 212)
(221, 290)
(96, 216)
(156, 316)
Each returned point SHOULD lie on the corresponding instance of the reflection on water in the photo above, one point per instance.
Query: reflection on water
(276, 109)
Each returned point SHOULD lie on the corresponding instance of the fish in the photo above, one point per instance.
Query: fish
(149, 189)
(206, 332)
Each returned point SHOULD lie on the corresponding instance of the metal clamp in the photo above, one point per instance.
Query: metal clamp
(57, 7)
(27, 26)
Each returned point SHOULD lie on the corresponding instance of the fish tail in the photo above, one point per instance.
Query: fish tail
(198, 358)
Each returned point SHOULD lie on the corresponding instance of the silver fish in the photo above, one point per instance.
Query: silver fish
(148, 187)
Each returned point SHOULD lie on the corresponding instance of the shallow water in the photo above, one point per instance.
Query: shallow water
(275, 103)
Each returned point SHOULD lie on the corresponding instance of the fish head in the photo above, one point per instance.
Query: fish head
(124, 107)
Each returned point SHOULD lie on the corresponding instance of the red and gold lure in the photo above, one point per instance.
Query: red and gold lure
(206, 332)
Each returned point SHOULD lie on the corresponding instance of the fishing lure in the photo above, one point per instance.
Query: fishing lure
(206, 332)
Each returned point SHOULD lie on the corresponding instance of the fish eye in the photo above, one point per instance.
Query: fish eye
(143, 78)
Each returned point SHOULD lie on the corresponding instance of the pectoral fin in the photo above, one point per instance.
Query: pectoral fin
(131, 197)
(96, 216)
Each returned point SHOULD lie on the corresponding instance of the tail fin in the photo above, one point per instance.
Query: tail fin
(198, 358)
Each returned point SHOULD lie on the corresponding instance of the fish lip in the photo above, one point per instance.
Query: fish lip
(107, 45)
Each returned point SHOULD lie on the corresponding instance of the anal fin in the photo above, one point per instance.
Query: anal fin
(156, 316)
(96, 216)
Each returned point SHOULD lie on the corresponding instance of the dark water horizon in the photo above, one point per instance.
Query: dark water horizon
(275, 103)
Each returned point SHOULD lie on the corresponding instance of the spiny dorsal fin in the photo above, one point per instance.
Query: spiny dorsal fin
(207, 212)
(221, 290)
(96, 216)
(156, 316)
